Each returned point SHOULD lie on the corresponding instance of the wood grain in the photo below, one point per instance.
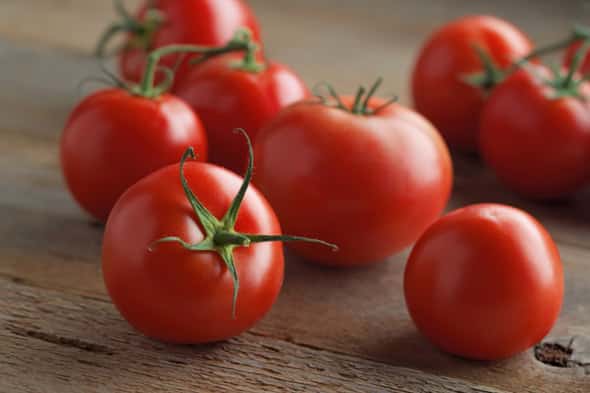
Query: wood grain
(48, 332)
(331, 330)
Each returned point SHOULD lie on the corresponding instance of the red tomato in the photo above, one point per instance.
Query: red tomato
(569, 56)
(112, 139)
(484, 282)
(197, 22)
(183, 296)
(438, 81)
(537, 144)
(370, 183)
(226, 97)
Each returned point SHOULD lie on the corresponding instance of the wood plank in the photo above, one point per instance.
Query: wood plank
(48, 332)
(53, 245)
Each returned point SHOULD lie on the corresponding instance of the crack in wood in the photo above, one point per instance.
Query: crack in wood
(63, 341)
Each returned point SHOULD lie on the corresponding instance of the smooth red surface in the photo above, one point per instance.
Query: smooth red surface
(439, 92)
(537, 145)
(113, 139)
(226, 98)
(197, 22)
(569, 56)
(181, 296)
(484, 282)
(370, 185)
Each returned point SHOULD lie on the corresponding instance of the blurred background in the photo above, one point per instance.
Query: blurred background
(345, 41)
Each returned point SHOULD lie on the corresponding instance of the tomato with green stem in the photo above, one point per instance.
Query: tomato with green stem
(160, 23)
(484, 282)
(184, 261)
(450, 80)
(237, 90)
(367, 174)
(535, 132)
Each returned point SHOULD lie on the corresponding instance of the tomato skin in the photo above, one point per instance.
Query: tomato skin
(112, 139)
(370, 185)
(569, 56)
(196, 22)
(226, 98)
(439, 92)
(537, 145)
(484, 282)
(181, 296)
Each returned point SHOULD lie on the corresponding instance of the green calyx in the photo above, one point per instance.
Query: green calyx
(141, 31)
(492, 75)
(565, 83)
(362, 99)
(220, 234)
(240, 42)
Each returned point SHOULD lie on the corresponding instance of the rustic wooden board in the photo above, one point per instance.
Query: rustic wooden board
(331, 330)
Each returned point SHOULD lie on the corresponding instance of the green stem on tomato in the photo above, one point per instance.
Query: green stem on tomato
(241, 42)
(360, 105)
(220, 235)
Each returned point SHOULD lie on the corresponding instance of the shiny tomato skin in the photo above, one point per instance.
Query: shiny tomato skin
(196, 22)
(112, 139)
(484, 282)
(537, 145)
(569, 56)
(181, 296)
(438, 88)
(226, 98)
(369, 184)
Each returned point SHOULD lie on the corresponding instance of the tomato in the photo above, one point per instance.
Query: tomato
(569, 56)
(226, 96)
(113, 138)
(369, 182)
(537, 144)
(484, 282)
(439, 85)
(197, 22)
(183, 261)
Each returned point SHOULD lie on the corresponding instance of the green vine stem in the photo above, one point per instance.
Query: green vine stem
(220, 235)
(492, 75)
(362, 98)
(142, 31)
(241, 41)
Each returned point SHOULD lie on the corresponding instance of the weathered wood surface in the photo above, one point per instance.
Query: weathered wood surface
(331, 330)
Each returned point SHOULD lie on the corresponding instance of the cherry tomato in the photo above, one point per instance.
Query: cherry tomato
(113, 138)
(569, 56)
(439, 85)
(368, 182)
(537, 144)
(197, 22)
(484, 282)
(183, 261)
(226, 96)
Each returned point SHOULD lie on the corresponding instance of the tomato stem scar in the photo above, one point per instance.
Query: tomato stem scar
(220, 235)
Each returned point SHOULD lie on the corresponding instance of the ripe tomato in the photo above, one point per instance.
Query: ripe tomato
(226, 96)
(187, 265)
(484, 282)
(537, 144)
(569, 56)
(438, 82)
(197, 22)
(368, 182)
(113, 138)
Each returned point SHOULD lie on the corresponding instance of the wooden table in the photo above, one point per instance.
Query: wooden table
(331, 330)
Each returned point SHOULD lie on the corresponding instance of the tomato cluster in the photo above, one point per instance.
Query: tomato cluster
(192, 252)
(480, 82)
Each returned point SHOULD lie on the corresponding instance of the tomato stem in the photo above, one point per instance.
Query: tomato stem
(241, 41)
(361, 101)
(220, 235)
(142, 31)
